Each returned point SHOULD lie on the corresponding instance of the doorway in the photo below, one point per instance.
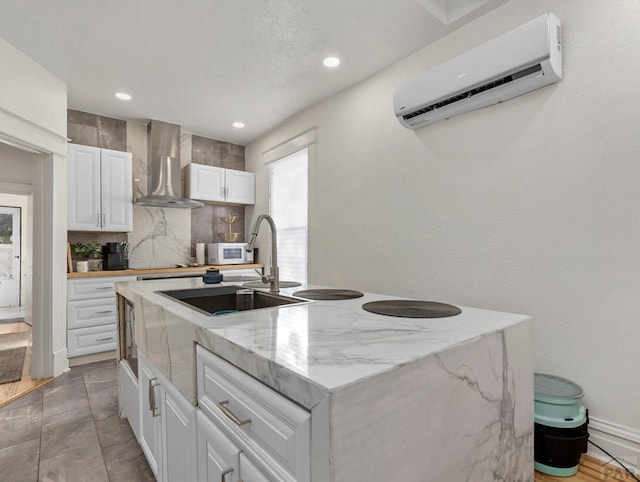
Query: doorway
(16, 233)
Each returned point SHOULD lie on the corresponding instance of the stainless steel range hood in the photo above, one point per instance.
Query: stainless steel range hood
(163, 154)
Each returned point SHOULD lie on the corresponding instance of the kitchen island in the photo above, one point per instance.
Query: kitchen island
(389, 398)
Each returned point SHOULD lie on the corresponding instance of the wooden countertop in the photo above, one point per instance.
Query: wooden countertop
(137, 272)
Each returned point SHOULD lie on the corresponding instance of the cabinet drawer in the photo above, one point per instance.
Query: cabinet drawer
(95, 339)
(86, 289)
(259, 418)
(84, 313)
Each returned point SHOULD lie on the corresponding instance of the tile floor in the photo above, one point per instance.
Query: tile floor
(69, 430)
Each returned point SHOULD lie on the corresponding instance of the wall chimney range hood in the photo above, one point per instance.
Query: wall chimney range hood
(163, 154)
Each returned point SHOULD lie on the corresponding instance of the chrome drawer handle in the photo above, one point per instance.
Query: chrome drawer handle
(103, 312)
(105, 339)
(224, 474)
(230, 415)
(152, 397)
(104, 287)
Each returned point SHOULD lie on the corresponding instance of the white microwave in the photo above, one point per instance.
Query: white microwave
(228, 253)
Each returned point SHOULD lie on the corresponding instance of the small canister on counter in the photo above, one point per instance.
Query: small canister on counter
(560, 425)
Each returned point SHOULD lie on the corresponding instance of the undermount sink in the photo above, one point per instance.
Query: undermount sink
(222, 299)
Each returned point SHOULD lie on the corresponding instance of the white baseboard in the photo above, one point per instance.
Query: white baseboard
(60, 362)
(95, 357)
(620, 441)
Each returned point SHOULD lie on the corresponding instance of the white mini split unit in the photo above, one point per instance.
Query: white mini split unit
(522, 60)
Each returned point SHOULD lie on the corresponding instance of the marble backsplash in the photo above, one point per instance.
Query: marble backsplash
(160, 237)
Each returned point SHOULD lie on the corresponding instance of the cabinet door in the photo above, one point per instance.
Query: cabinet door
(241, 187)
(249, 472)
(83, 175)
(129, 397)
(150, 420)
(179, 436)
(117, 191)
(205, 183)
(218, 457)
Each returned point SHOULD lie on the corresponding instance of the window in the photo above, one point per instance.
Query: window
(288, 201)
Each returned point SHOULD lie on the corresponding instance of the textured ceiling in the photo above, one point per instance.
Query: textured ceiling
(204, 64)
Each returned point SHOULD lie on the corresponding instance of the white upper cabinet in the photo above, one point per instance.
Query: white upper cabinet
(205, 183)
(241, 186)
(84, 208)
(100, 189)
(117, 191)
(216, 184)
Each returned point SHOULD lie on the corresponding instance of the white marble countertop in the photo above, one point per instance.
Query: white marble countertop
(308, 350)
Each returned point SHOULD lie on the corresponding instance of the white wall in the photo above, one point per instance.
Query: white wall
(16, 165)
(34, 93)
(530, 206)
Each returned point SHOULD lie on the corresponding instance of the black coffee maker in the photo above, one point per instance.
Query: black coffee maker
(115, 256)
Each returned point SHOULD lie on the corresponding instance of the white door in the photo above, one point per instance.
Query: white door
(9, 256)
(117, 191)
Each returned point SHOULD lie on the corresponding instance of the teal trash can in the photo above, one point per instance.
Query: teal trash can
(561, 422)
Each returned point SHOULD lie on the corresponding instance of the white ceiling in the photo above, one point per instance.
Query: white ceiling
(204, 64)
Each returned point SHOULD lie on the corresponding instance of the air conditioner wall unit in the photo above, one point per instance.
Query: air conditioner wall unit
(524, 59)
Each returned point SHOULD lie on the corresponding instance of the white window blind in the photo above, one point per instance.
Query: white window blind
(288, 200)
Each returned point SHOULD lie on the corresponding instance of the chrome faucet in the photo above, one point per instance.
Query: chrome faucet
(274, 276)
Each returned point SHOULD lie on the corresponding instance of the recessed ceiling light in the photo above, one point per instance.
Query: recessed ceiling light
(238, 125)
(123, 96)
(331, 62)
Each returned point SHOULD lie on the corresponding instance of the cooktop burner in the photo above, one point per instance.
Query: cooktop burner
(328, 294)
(412, 308)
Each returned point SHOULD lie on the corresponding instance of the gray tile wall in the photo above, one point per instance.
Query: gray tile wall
(96, 131)
(217, 153)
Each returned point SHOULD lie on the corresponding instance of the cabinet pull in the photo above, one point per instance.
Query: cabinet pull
(105, 339)
(230, 415)
(224, 474)
(103, 312)
(152, 397)
(104, 288)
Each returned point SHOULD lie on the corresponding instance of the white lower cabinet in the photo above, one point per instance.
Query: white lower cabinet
(218, 457)
(250, 473)
(92, 315)
(167, 426)
(271, 433)
(179, 436)
(150, 421)
(243, 431)
(129, 397)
